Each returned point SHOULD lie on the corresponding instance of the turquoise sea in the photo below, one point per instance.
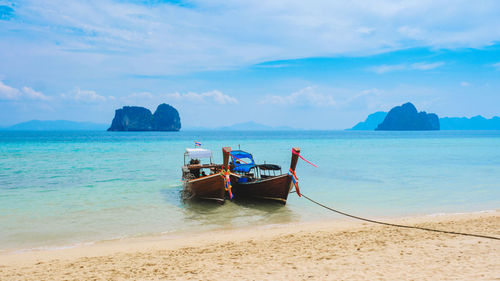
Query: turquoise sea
(59, 189)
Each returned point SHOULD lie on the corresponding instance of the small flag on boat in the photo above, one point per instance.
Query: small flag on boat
(197, 143)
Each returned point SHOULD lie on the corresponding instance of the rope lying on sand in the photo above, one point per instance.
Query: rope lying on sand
(400, 225)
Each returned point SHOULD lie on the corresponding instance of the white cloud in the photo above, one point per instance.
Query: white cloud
(497, 65)
(141, 95)
(305, 96)
(365, 30)
(26, 93)
(381, 69)
(464, 84)
(368, 92)
(32, 94)
(426, 66)
(212, 96)
(411, 32)
(86, 96)
(208, 35)
(8, 93)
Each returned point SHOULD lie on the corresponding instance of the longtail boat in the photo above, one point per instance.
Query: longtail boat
(204, 181)
(264, 181)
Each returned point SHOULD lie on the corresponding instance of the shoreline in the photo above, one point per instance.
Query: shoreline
(175, 234)
(328, 247)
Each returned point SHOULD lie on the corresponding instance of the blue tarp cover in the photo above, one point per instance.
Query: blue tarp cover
(244, 156)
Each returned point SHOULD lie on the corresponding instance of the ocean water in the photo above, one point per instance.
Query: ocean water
(64, 188)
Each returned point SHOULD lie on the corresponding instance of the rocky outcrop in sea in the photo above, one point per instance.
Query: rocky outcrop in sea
(371, 122)
(136, 118)
(407, 118)
(166, 118)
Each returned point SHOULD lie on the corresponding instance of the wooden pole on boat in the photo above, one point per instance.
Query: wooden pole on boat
(225, 156)
(293, 165)
(295, 158)
(225, 170)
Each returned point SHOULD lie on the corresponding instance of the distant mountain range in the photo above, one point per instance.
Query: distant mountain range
(371, 122)
(446, 123)
(474, 123)
(56, 125)
(65, 125)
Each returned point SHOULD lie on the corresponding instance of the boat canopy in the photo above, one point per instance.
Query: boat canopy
(269, 167)
(243, 161)
(198, 153)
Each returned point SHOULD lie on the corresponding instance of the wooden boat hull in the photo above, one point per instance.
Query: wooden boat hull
(209, 188)
(273, 188)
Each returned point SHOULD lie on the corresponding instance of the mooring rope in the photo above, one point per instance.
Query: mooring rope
(399, 225)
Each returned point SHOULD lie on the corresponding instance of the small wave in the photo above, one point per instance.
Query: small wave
(108, 180)
(51, 248)
(461, 213)
(174, 185)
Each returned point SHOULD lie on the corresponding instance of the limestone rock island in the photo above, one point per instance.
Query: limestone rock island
(407, 118)
(136, 118)
(166, 118)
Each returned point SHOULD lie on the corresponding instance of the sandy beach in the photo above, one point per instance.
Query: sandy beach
(332, 250)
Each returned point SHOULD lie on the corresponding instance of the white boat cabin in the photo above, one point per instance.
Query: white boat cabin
(193, 166)
(196, 155)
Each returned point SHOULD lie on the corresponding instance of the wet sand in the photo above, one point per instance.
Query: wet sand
(331, 250)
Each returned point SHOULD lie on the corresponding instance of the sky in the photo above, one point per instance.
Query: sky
(302, 64)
